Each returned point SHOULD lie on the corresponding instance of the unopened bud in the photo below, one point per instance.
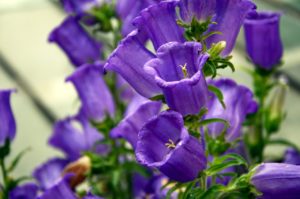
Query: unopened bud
(217, 48)
(79, 168)
(274, 113)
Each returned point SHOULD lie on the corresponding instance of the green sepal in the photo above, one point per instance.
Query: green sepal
(105, 126)
(5, 149)
(103, 16)
(158, 98)
(218, 93)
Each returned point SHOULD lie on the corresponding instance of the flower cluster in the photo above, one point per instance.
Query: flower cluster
(155, 119)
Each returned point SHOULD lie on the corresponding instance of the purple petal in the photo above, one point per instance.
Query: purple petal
(277, 180)
(186, 95)
(128, 61)
(7, 120)
(159, 23)
(292, 156)
(78, 6)
(74, 135)
(181, 163)
(229, 13)
(125, 90)
(201, 9)
(26, 191)
(239, 102)
(95, 96)
(60, 189)
(76, 42)
(129, 127)
(264, 51)
(49, 172)
(128, 10)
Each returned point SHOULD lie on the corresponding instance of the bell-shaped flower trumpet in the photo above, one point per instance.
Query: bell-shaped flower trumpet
(128, 60)
(139, 111)
(239, 103)
(165, 144)
(159, 23)
(225, 13)
(96, 99)
(7, 120)
(263, 42)
(178, 72)
(79, 46)
(277, 180)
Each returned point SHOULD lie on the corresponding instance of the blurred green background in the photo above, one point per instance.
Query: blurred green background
(37, 69)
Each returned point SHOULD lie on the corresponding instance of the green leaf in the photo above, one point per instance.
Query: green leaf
(218, 94)
(282, 141)
(174, 188)
(212, 192)
(214, 120)
(17, 159)
(224, 162)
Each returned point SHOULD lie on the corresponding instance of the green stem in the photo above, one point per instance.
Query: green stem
(5, 179)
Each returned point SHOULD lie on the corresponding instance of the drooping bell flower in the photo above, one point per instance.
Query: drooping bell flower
(128, 10)
(178, 72)
(263, 42)
(79, 46)
(239, 103)
(7, 120)
(128, 60)
(49, 172)
(60, 189)
(226, 13)
(165, 144)
(139, 111)
(277, 180)
(159, 23)
(80, 6)
(151, 187)
(292, 156)
(96, 99)
(73, 140)
(26, 191)
(126, 92)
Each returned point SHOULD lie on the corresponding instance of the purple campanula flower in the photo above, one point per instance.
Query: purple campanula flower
(49, 172)
(263, 42)
(277, 180)
(80, 6)
(80, 47)
(159, 23)
(7, 120)
(139, 111)
(96, 99)
(125, 91)
(176, 154)
(226, 13)
(71, 140)
(128, 60)
(61, 189)
(128, 10)
(178, 72)
(151, 187)
(292, 156)
(26, 191)
(239, 103)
